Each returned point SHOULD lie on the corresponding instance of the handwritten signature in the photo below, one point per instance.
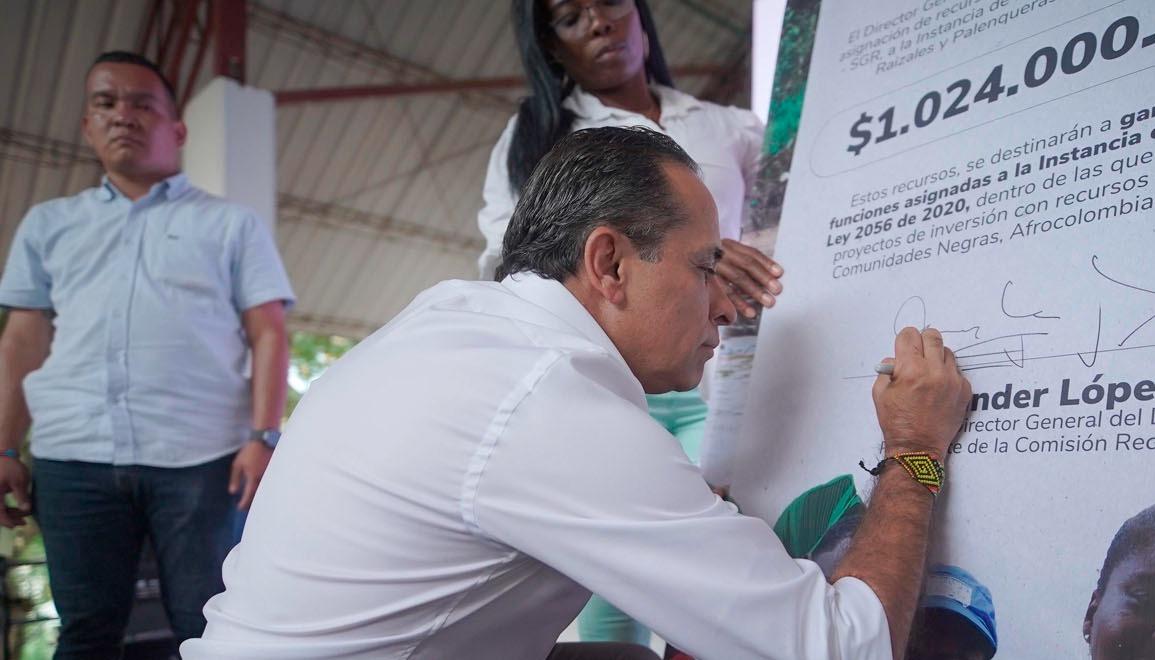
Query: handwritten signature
(1010, 350)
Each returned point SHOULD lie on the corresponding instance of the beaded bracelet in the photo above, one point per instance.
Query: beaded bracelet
(924, 467)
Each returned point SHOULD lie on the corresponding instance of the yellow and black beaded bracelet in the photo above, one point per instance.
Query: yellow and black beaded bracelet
(924, 467)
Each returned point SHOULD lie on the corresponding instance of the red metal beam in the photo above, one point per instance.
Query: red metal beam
(186, 89)
(322, 94)
(175, 57)
(164, 39)
(337, 47)
(230, 22)
(326, 94)
(150, 24)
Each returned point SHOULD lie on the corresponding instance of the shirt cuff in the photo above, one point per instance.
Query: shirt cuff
(24, 300)
(862, 612)
(260, 299)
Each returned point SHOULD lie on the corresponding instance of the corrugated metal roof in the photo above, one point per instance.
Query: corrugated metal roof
(377, 196)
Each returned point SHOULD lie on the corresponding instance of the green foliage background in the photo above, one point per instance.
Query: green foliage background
(791, 73)
(309, 356)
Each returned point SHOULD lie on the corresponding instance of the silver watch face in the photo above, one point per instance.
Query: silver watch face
(268, 436)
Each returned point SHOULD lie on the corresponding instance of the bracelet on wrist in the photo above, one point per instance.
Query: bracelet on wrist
(11, 453)
(922, 466)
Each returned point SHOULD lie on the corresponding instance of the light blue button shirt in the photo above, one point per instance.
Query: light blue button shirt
(149, 359)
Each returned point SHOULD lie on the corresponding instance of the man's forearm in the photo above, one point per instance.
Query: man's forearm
(889, 550)
(14, 418)
(24, 346)
(269, 383)
(920, 407)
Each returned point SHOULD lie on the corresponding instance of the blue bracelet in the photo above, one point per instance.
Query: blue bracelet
(11, 453)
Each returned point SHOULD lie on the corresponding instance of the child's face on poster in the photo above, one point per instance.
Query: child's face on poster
(1121, 620)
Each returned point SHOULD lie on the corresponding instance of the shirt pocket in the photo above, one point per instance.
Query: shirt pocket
(191, 270)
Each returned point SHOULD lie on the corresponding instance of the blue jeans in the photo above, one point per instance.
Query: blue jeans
(94, 518)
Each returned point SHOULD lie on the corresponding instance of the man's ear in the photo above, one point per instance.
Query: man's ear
(181, 133)
(605, 250)
(1089, 617)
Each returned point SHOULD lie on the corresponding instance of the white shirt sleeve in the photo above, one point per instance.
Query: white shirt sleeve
(25, 283)
(579, 477)
(498, 205)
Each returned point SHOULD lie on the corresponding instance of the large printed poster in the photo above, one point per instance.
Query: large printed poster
(985, 167)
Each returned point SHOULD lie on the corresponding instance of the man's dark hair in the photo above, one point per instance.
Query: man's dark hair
(1135, 536)
(592, 178)
(125, 57)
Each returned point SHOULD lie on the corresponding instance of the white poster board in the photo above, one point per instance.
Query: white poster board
(984, 167)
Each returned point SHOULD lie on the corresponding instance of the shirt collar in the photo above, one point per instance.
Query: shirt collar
(171, 188)
(675, 104)
(553, 297)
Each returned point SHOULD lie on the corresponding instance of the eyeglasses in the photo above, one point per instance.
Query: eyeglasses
(575, 19)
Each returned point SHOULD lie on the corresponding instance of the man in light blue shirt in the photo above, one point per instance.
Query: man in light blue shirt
(133, 310)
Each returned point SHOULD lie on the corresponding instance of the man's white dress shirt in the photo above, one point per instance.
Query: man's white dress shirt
(725, 141)
(457, 484)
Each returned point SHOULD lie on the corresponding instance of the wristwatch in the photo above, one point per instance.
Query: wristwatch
(268, 436)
